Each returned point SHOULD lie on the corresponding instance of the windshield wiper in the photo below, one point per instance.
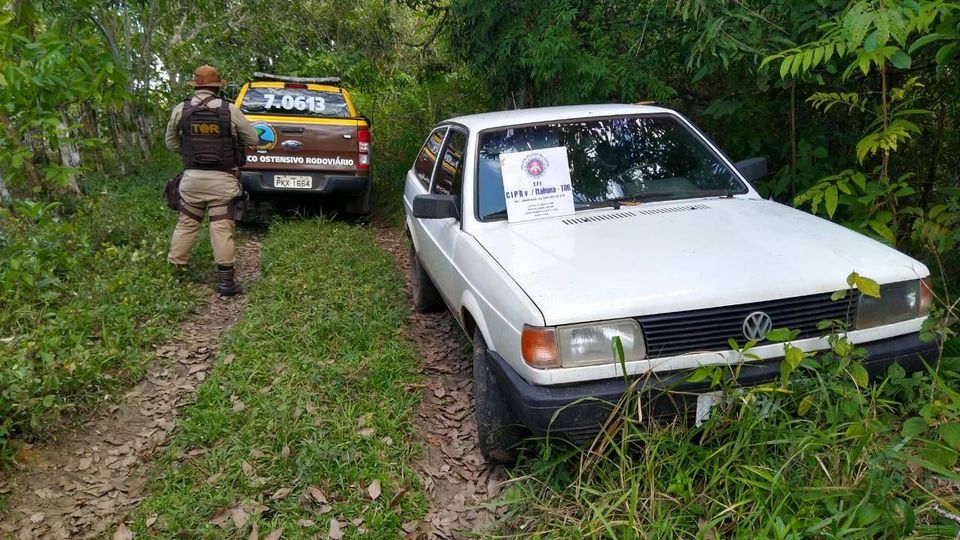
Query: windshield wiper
(589, 205)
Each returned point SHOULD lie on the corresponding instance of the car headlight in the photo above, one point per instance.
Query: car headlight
(579, 345)
(898, 302)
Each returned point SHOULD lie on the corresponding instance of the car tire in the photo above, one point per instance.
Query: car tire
(497, 428)
(426, 297)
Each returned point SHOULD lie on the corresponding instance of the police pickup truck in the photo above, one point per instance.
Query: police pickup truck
(313, 146)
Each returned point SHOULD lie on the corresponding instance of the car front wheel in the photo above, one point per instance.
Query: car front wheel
(426, 298)
(497, 428)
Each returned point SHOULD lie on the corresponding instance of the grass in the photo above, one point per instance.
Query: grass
(85, 291)
(822, 457)
(327, 383)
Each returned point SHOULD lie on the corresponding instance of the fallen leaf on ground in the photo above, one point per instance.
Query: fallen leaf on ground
(410, 527)
(220, 518)
(285, 452)
(313, 495)
(280, 493)
(122, 533)
(367, 432)
(275, 535)
(228, 359)
(306, 523)
(38, 517)
(151, 520)
(374, 489)
(336, 532)
(239, 517)
(254, 532)
(247, 469)
(238, 406)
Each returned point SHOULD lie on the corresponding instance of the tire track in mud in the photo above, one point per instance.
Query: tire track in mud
(455, 476)
(85, 482)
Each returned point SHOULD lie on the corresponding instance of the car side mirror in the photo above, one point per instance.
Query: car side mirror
(753, 168)
(435, 206)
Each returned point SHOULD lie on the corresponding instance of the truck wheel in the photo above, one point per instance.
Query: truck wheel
(359, 205)
(426, 298)
(497, 428)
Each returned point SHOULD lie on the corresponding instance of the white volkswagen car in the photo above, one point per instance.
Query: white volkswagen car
(547, 232)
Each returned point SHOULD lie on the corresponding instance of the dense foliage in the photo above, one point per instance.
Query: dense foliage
(85, 291)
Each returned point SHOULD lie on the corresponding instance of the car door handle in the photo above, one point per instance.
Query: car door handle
(291, 130)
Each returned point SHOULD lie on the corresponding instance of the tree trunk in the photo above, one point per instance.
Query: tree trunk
(130, 118)
(88, 118)
(5, 198)
(28, 166)
(69, 155)
(115, 136)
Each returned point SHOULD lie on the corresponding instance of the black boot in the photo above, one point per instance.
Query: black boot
(227, 285)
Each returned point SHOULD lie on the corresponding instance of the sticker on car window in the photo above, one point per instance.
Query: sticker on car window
(536, 184)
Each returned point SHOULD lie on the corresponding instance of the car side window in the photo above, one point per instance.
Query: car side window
(423, 167)
(449, 177)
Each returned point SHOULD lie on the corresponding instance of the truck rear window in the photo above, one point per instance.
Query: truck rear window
(294, 102)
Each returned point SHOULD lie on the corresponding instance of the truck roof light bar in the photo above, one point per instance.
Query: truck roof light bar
(334, 81)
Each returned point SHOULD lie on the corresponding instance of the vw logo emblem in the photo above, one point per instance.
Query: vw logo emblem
(756, 325)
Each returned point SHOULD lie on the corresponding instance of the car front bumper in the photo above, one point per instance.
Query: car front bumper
(260, 184)
(577, 411)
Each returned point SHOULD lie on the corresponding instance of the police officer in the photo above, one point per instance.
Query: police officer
(209, 133)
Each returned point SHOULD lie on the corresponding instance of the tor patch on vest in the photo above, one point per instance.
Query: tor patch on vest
(205, 128)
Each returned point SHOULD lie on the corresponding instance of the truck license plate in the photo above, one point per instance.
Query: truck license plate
(292, 181)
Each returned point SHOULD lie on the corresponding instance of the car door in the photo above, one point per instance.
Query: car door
(443, 233)
(418, 182)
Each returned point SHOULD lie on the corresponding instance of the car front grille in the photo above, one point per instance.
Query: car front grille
(709, 329)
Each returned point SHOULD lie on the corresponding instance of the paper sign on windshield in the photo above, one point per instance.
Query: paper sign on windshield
(536, 184)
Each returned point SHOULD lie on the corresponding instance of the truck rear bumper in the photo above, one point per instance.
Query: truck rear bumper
(261, 184)
(577, 411)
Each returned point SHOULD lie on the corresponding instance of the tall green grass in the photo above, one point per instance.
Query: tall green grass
(84, 291)
(823, 456)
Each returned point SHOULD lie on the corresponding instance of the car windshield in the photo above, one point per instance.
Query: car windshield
(291, 101)
(611, 159)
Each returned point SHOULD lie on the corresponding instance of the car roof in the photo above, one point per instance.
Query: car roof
(517, 117)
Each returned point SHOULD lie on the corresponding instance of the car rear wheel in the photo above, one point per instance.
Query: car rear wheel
(426, 298)
(497, 428)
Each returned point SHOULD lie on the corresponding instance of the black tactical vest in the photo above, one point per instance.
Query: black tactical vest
(207, 138)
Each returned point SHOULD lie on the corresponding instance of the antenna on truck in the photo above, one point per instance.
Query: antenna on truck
(334, 81)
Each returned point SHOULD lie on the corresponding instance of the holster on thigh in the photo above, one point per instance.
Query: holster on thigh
(191, 211)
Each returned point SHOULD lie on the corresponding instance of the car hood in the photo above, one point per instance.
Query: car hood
(667, 257)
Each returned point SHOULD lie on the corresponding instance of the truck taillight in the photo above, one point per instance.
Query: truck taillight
(363, 147)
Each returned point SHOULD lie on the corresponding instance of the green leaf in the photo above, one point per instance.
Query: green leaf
(838, 295)
(883, 231)
(900, 60)
(868, 513)
(929, 38)
(859, 375)
(793, 357)
(868, 286)
(950, 433)
(780, 335)
(805, 405)
(913, 427)
(831, 198)
(946, 53)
